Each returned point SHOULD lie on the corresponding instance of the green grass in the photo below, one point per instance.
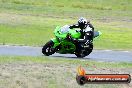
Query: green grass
(31, 22)
(37, 30)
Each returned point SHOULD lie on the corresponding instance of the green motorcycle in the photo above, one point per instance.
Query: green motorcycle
(63, 45)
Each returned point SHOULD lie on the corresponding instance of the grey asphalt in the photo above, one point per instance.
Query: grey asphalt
(99, 55)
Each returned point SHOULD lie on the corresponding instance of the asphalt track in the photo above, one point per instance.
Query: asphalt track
(98, 55)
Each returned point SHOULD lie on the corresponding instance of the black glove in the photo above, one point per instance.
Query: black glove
(71, 27)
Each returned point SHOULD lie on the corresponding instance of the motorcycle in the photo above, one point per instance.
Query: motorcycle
(63, 44)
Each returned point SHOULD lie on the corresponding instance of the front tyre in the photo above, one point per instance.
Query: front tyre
(47, 48)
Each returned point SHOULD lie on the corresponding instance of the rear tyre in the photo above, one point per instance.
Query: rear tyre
(84, 52)
(80, 54)
(89, 50)
(47, 48)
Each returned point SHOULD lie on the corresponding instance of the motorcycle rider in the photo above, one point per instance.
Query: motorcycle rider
(83, 45)
(87, 31)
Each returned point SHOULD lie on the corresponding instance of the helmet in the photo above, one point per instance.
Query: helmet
(82, 22)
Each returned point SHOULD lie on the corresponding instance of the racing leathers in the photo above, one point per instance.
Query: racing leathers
(86, 33)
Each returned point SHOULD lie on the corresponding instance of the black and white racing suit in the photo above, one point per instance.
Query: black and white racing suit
(86, 34)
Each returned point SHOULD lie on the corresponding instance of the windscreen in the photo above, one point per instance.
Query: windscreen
(65, 29)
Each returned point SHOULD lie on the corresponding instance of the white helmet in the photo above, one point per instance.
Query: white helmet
(82, 22)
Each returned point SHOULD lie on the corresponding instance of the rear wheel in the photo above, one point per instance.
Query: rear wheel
(80, 54)
(89, 50)
(84, 52)
(47, 48)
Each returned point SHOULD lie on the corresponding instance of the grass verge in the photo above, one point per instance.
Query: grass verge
(50, 72)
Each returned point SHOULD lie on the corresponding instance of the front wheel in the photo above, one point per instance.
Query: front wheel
(47, 48)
